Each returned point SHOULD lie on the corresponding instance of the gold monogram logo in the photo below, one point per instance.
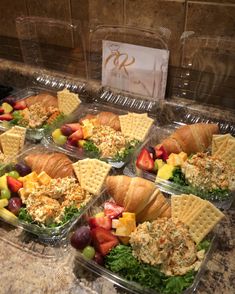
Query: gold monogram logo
(120, 60)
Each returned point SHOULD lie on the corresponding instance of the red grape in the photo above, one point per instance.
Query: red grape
(14, 205)
(81, 238)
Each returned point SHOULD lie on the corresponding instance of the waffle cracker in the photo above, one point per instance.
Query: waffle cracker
(91, 174)
(229, 154)
(94, 182)
(126, 124)
(82, 169)
(10, 144)
(67, 101)
(21, 132)
(218, 141)
(203, 221)
(178, 203)
(135, 125)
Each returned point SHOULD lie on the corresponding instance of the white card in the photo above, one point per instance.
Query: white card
(135, 69)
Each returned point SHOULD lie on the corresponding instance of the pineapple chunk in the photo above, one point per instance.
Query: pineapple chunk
(32, 177)
(3, 202)
(165, 172)
(8, 216)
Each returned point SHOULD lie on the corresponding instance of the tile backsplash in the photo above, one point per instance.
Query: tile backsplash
(201, 44)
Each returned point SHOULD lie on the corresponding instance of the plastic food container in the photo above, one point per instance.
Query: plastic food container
(167, 186)
(129, 286)
(33, 134)
(81, 112)
(45, 233)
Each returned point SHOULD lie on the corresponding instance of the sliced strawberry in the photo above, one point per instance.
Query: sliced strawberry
(1, 110)
(103, 240)
(112, 210)
(144, 160)
(20, 105)
(13, 184)
(74, 127)
(75, 137)
(6, 116)
(101, 221)
(161, 153)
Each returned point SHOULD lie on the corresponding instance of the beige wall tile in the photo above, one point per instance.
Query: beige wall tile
(152, 13)
(9, 10)
(105, 12)
(59, 10)
(212, 46)
(210, 18)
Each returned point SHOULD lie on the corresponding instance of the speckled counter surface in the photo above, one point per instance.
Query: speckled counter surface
(27, 266)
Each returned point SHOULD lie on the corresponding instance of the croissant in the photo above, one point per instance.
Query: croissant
(56, 165)
(139, 196)
(46, 99)
(105, 118)
(190, 138)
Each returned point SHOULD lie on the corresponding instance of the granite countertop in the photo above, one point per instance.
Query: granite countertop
(28, 266)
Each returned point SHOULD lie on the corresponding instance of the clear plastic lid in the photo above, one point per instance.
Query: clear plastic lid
(40, 40)
(157, 39)
(207, 69)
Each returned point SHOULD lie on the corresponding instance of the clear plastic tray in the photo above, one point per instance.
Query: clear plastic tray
(165, 185)
(129, 286)
(84, 109)
(32, 244)
(46, 234)
(32, 134)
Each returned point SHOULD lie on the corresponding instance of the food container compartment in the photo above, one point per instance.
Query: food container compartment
(33, 134)
(79, 153)
(45, 233)
(160, 133)
(120, 282)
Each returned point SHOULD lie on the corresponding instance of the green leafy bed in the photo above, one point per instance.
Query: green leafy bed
(121, 261)
(69, 213)
(216, 194)
(92, 150)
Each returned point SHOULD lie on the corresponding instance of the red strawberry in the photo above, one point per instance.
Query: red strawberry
(1, 110)
(69, 129)
(112, 210)
(144, 160)
(102, 222)
(13, 184)
(75, 137)
(103, 240)
(161, 153)
(74, 127)
(6, 116)
(20, 105)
